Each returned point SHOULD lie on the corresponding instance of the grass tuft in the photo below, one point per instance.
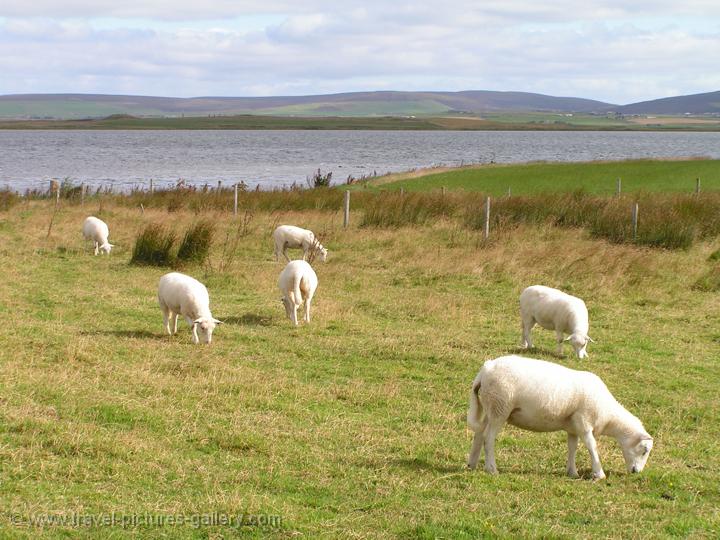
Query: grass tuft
(195, 246)
(154, 247)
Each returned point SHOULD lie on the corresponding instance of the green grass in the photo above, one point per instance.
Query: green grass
(595, 178)
(352, 426)
(347, 117)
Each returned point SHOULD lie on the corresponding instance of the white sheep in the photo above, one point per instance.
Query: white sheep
(543, 396)
(289, 236)
(555, 310)
(97, 230)
(297, 282)
(179, 294)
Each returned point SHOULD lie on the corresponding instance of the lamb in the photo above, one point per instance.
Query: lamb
(297, 282)
(543, 396)
(289, 236)
(555, 310)
(97, 230)
(179, 294)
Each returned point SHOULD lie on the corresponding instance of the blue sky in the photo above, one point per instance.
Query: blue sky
(606, 50)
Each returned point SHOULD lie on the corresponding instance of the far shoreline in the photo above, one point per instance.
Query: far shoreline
(387, 123)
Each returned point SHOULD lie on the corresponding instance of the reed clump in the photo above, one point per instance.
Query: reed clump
(195, 245)
(154, 247)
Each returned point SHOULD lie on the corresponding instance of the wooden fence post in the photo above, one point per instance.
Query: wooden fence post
(152, 187)
(236, 200)
(618, 187)
(486, 229)
(635, 210)
(697, 186)
(82, 194)
(346, 214)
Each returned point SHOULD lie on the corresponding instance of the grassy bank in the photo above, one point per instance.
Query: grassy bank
(352, 426)
(494, 122)
(595, 177)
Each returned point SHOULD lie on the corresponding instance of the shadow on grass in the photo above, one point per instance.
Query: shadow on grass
(249, 319)
(535, 352)
(142, 334)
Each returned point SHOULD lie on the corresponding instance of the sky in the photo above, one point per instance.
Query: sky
(617, 51)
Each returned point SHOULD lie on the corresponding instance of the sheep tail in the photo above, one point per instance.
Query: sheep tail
(475, 410)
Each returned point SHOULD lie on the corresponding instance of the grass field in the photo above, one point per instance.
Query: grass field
(360, 118)
(598, 178)
(352, 426)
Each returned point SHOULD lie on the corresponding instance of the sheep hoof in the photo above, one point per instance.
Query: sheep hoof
(491, 470)
(573, 473)
(598, 476)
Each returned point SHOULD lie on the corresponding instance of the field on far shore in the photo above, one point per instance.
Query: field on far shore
(352, 426)
(428, 122)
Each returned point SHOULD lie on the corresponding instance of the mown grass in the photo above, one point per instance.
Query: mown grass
(594, 178)
(352, 426)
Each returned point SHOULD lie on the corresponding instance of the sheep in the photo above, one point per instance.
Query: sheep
(555, 310)
(289, 236)
(543, 396)
(97, 230)
(297, 282)
(179, 294)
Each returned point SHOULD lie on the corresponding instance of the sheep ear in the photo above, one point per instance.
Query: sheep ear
(567, 338)
(591, 340)
(197, 321)
(217, 322)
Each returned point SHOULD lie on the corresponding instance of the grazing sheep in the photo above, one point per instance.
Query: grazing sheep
(97, 230)
(289, 236)
(297, 282)
(542, 396)
(179, 294)
(555, 310)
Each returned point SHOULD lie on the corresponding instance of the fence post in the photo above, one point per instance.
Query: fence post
(82, 194)
(697, 186)
(346, 215)
(57, 194)
(402, 191)
(219, 184)
(635, 210)
(443, 191)
(618, 187)
(486, 229)
(152, 187)
(236, 200)
(509, 192)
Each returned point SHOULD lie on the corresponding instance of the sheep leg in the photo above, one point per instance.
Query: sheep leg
(307, 310)
(492, 429)
(560, 339)
(591, 445)
(572, 451)
(284, 252)
(527, 324)
(166, 318)
(175, 319)
(477, 445)
(293, 314)
(195, 338)
(97, 247)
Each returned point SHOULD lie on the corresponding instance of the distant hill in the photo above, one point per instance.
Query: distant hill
(68, 106)
(362, 104)
(694, 104)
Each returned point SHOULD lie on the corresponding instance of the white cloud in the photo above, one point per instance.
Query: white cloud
(610, 50)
